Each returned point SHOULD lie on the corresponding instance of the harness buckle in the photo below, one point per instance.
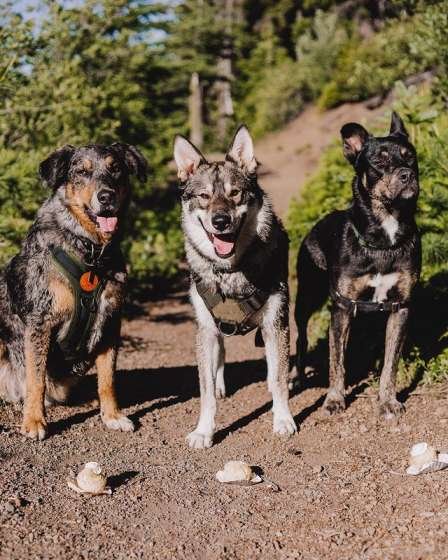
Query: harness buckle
(381, 306)
(89, 303)
(227, 329)
(395, 307)
(355, 308)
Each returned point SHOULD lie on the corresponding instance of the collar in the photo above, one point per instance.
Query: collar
(367, 245)
(94, 255)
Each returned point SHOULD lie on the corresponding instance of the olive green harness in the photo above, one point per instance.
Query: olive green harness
(87, 288)
(233, 316)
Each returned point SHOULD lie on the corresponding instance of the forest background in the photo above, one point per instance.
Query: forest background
(139, 71)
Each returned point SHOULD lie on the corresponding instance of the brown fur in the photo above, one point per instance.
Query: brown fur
(63, 300)
(34, 423)
(78, 197)
(105, 365)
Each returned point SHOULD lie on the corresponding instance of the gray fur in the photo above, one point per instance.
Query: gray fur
(259, 261)
(36, 302)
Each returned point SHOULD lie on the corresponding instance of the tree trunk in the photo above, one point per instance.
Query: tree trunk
(223, 85)
(195, 110)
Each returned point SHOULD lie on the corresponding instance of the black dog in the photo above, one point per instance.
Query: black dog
(367, 258)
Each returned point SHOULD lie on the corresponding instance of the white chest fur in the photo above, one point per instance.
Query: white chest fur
(382, 284)
(390, 226)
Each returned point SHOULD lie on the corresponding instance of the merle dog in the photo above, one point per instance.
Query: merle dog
(367, 258)
(61, 296)
(238, 255)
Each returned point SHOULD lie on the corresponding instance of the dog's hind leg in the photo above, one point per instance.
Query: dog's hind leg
(389, 407)
(58, 390)
(12, 379)
(276, 337)
(312, 293)
(220, 389)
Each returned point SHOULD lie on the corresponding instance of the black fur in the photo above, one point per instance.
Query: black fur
(371, 251)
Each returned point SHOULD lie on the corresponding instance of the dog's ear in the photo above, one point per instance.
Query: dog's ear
(354, 137)
(187, 157)
(397, 127)
(134, 160)
(54, 170)
(241, 150)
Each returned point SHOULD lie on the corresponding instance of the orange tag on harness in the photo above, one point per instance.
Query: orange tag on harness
(89, 281)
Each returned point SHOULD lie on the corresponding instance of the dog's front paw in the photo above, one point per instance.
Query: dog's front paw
(118, 422)
(390, 409)
(34, 428)
(196, 440)
(220, 391)
(334, 403)
(284, 426)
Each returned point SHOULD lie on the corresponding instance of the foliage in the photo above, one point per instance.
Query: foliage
(274, 87)
(371, 67)
(93, 73)
(106, 70)
(330, 189)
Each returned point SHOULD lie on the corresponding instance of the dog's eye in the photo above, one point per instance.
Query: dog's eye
(84, 172)
(234, 192)
(204, 196)
(406, 154)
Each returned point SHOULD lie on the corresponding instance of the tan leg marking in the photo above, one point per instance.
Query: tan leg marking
(36, 350)
(110, 413)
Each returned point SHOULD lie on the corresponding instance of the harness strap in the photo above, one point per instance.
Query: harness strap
(232, 316)
(353, 305)
(87, 289)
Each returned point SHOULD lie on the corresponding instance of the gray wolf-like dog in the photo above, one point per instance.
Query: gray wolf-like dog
(69, 276)
(237, 251)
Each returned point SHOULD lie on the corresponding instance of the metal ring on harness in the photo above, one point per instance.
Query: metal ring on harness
(233, 328)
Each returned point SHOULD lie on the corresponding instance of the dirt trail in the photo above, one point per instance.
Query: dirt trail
(290, 156)
(339, 497)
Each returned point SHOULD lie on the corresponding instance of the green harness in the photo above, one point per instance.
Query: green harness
(87, 289)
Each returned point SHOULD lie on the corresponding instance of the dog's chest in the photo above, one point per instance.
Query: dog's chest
(378, 286)
(382, 284)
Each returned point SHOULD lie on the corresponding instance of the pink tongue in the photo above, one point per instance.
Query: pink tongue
(223, 247)
(107, 225)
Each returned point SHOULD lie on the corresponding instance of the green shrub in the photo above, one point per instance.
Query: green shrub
(273, 87)
(330, 188)
(404, 47)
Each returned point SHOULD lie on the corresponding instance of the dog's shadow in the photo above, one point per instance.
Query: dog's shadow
(158, 388)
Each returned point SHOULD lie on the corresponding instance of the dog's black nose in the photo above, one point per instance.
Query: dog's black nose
(221, 221)
(405, 175)
(106, 197)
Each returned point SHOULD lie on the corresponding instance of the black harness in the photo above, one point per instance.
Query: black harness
(232, 316)
(87, 285)
(355, 305)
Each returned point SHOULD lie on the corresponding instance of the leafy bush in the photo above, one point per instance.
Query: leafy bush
(330, 188)
(268, 92)
(89, 73)
(274, 88)
(372, 66)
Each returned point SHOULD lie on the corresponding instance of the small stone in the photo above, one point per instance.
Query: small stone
(9, 508)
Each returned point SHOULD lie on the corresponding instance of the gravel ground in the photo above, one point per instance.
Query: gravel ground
(343, 493)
